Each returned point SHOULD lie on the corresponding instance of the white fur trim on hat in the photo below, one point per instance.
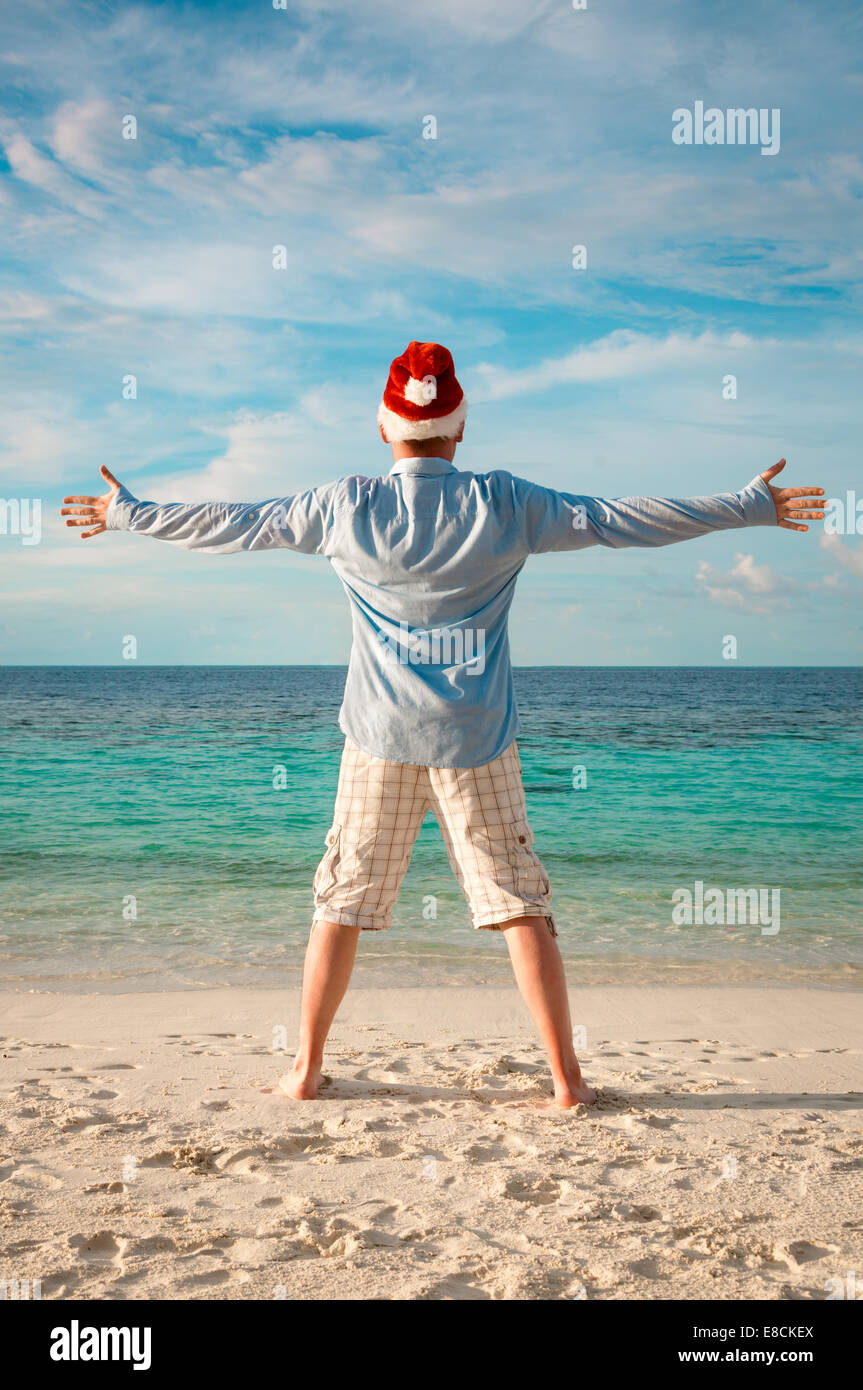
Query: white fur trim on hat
(421, 392)
(398, 430)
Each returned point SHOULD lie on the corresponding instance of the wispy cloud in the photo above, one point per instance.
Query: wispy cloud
(846, 557)
(746, 586)
(621, 354)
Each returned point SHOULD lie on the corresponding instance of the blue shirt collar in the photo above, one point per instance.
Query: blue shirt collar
(425, 467)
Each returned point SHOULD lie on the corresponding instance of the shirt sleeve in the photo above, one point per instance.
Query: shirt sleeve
(565, 521)
(293, 523)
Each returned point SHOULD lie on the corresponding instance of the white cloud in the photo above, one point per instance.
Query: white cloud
(266, 452)
(746, 586)
(35, 445)
(31, 166)
(86, 135)
(20, 307)
(620, 354)
(844, 557)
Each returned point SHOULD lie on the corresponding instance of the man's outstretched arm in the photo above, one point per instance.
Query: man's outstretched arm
(564, 521)
(298, 523)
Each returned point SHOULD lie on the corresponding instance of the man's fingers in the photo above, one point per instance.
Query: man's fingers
(771, 472)
(785, 492)
(85, 511)
(790, 526)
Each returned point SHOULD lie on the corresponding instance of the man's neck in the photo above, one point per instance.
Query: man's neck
(425, 449)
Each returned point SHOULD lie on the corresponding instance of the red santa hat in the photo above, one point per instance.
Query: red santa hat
(423, 399)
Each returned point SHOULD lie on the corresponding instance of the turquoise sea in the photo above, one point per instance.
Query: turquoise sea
(145, 845)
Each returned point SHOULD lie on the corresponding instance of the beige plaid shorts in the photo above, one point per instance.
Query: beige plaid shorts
(481, 812)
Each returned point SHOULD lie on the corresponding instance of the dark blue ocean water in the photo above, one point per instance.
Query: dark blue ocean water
(144, 844)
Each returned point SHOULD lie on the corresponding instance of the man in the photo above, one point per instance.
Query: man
(429, 556)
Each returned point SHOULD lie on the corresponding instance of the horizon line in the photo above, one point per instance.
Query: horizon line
(343, 666)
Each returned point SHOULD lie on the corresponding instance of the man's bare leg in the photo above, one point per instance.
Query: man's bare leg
(326, 975)
(540, 977)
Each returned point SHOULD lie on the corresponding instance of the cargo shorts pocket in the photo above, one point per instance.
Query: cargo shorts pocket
(325, 876)
(529, 877)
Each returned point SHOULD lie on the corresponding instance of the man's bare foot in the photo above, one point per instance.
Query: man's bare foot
(301, 1082)
(573, 1090)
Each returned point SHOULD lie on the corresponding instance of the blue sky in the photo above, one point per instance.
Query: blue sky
(259, 127)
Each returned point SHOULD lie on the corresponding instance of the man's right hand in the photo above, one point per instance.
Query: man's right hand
(91, 511)
(794, 504)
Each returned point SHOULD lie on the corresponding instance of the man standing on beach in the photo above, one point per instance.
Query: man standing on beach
(429, 555)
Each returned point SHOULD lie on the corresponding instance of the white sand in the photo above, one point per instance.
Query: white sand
(145, 1152)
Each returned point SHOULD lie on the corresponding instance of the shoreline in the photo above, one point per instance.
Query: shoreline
(461, 969)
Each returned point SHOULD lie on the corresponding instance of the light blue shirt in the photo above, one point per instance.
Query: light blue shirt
(429, 556)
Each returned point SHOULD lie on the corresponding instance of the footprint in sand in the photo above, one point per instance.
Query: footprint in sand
(455, 1288)
(537, 1192)
(637, 1212)
(647, 1117)
(207, 1278)
(101, 1248)
(31, 1175)
(795, 1253)
(83, 1119)
(247, 1162)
